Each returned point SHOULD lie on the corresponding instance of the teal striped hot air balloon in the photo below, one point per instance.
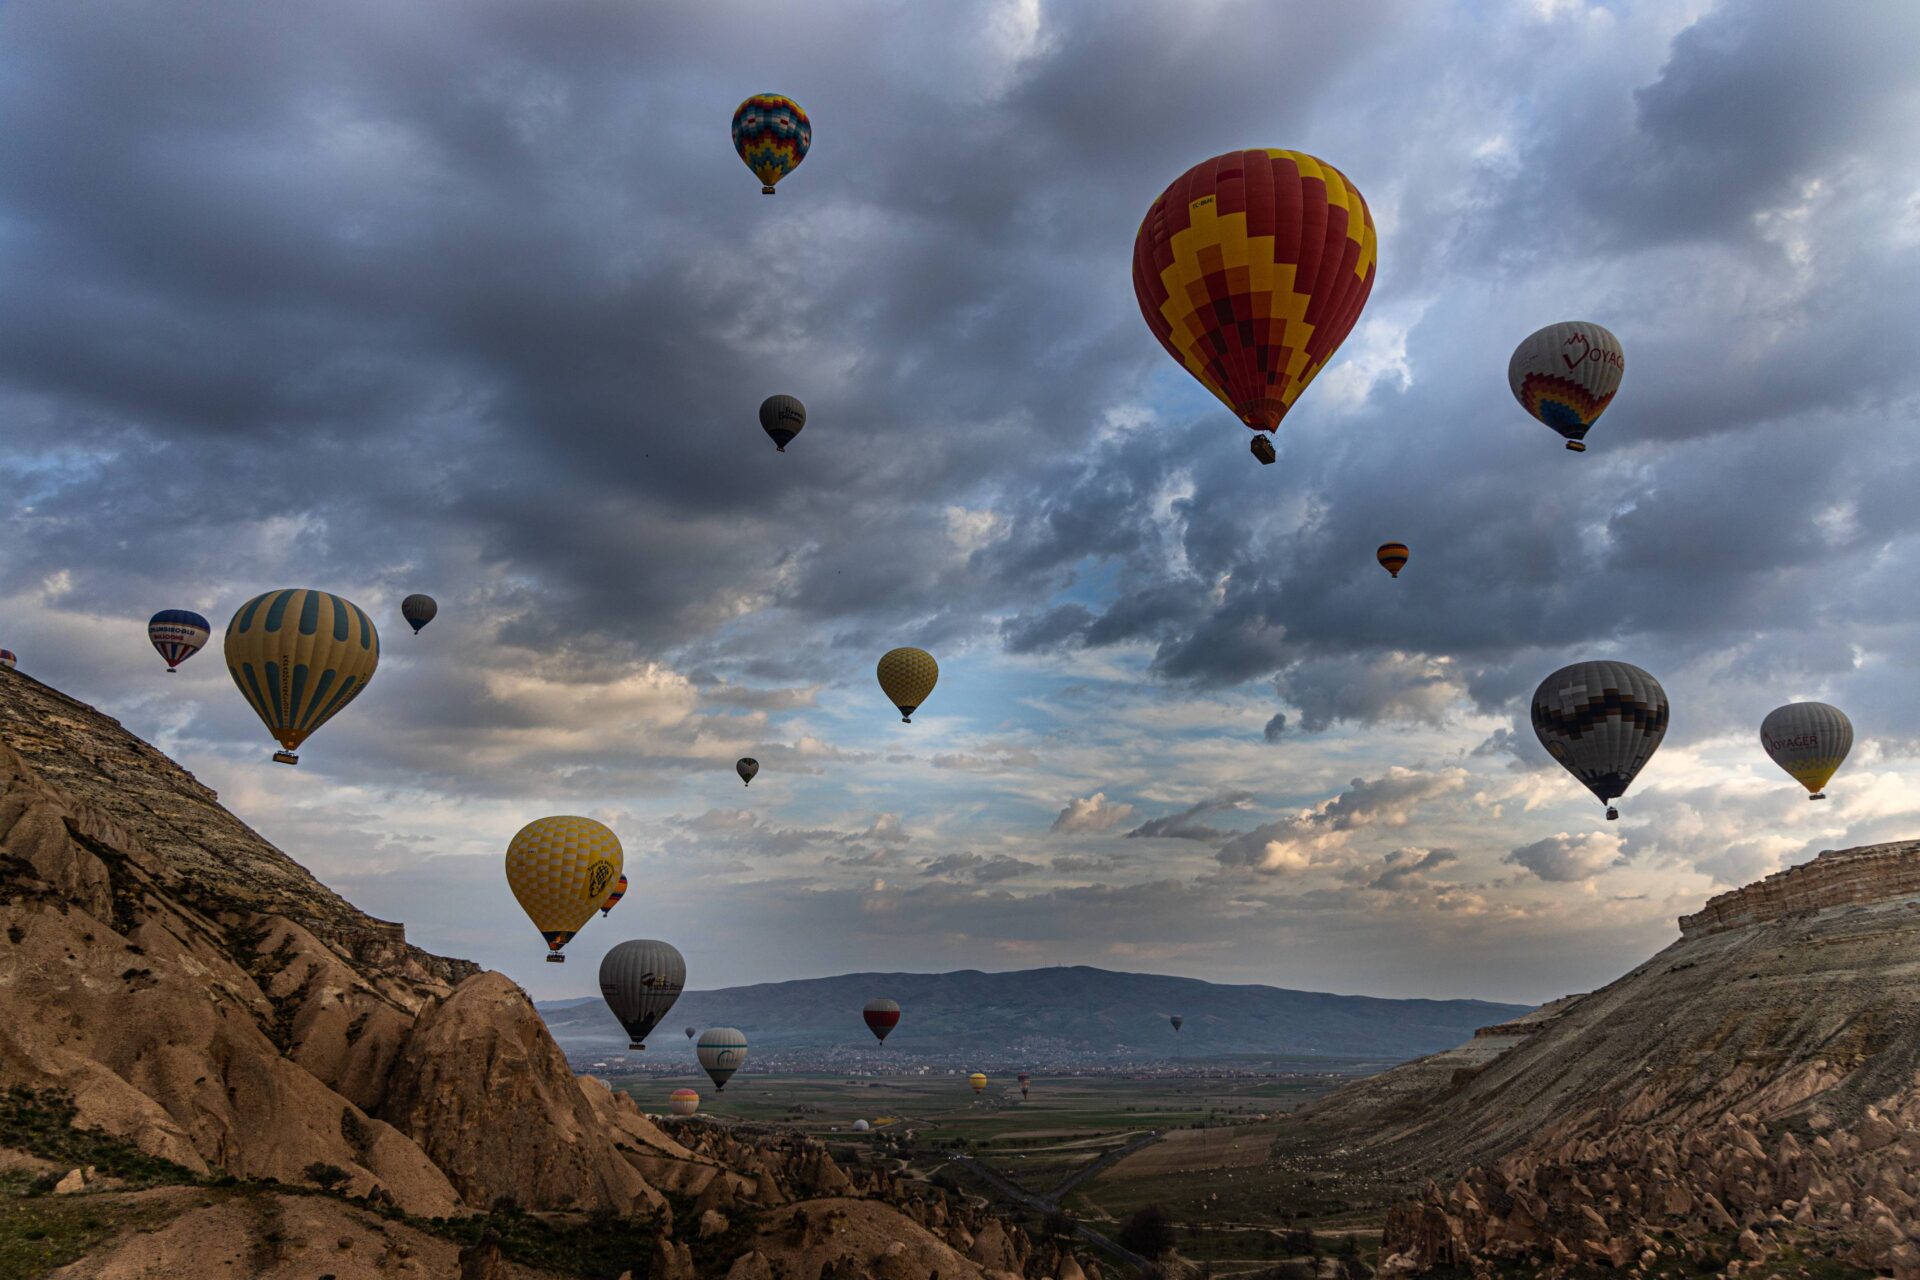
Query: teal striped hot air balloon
(299, 656)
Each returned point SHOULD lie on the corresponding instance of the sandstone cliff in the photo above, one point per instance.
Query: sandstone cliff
(1753, 1089)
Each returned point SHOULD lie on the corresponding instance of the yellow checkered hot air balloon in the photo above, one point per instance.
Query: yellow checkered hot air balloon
(300, 656)
(907, 676)
(561, 870)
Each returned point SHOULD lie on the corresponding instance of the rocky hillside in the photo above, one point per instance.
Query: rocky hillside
(236, 1073)
(1752, 1092)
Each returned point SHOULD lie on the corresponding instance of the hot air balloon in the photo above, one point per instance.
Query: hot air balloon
(683, 1102)
(560, 869)
(1025, 1079)
(881, 1016)
(907, 676)
(979, 1082)
(772, 135)
(1176, 1020)
(1565, 375)
(861, 1126)
(418, 610)
(178, 634)
(1392, 557)
(299, 656)
(722, 1051)
(1251, 269)
(1809, 740)
(692, 1032)
(782, 417)
(746, 767)
(1602, 721)
(641, 979)
(9, 659)
(619, 892)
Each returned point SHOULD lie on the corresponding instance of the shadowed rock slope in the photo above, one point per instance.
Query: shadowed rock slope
(1752, 1090)
(197, 997)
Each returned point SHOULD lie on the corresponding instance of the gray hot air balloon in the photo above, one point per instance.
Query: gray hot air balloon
(418, 610)
(641, 979)
(722, 1052)
(746, 767)
(1176, 1020)
(1602, 721)
(782, 417)
(692, 1032)
(1809, 740)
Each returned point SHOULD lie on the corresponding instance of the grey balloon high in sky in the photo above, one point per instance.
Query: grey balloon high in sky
(1602, 721)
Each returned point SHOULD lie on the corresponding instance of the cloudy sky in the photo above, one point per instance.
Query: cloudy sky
(473, 297)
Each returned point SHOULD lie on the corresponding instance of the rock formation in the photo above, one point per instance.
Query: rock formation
(202, 998)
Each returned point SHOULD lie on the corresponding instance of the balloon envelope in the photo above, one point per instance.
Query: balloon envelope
(1809, 740)
(298, 657)
(978, 1080)
(861, 1126)
(692, 1032)
(418, 610)
(178, 634)
(1251, 269)
(747, 767)
(771, 135)
(641, 979)
(881, 1016)
(1392, 556)
(1177, 1021)
(619, 892)
(683, 1102)
(560, 869)
(907, 676)
(722, 1051)
(1602, 721)
(782, 418)
(9, 659)
(1565, 375)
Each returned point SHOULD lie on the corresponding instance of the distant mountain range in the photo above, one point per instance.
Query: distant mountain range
(1055, 1013)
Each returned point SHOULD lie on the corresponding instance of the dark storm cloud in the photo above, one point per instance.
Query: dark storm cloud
(1188, 824)
(978, 868)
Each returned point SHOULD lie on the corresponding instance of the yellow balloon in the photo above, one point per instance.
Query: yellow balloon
(300, 656)
(561, 870)
(978, 1081)
(907, 676)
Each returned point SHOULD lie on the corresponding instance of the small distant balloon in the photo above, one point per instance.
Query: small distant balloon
(907, 676)
(772, 135)
(641, 979)
(418, 610)
(299, 657)
(1392, 557)
(683, 1102)
(692, 1032)
(881, 1017)
(1565, 375)
(979, 1081)
(1177, 1021)
(1810, 740)
(9, 659)
(722, 1051)
(782, 417)
(560, 869)
(1602, 721)
(178, 634)
(619, 892)
(747, 767)
(1025, 1080)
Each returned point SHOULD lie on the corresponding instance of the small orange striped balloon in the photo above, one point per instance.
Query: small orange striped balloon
(1392, 557)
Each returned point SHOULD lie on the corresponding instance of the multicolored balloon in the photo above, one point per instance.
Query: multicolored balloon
(560, 869)
(747, 767)
(683, 1102)
(881, 1017)
(9, 659)
(418, 610)
(772, 135)
(1392, 556)
(1025, 1080)
(619, 892)
(907, 676)
(299, 657)
(1565, 375)
(783, 418)
(1810, 740)
(1251, 269)
(722, 1051)
(1602, 721)
(178, 634)
(979, 1081)
(641, 979)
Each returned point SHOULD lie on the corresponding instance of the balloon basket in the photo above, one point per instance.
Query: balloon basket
(635, 1044)
(1613, 814)
(1574, 446)
(1262, 448)
(1818, 795)
(766, 191)
(285, 757)
(554, 957)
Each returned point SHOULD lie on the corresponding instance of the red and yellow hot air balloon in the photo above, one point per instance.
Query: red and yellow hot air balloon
(1252, 269)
